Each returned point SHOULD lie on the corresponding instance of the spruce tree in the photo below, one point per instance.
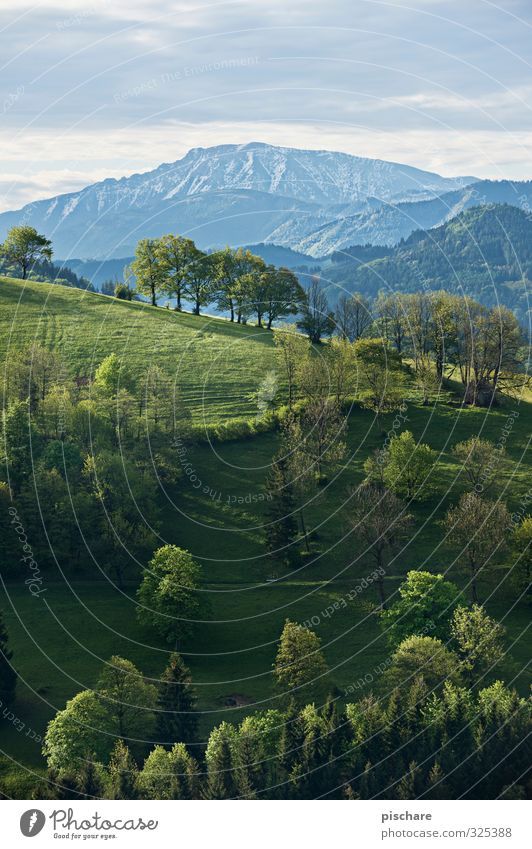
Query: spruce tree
(122, 773)
(89, 781)
(221, 773)
(177, 721)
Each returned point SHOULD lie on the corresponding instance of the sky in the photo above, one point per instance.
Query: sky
(91, 89)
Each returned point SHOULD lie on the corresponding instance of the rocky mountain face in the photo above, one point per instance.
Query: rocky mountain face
(313, 201)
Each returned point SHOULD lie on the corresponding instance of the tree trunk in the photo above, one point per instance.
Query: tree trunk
(231, 307)
(153, 299)
(474, 593)
(304, 529)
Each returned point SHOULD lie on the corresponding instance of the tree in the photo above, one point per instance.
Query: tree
(300, 472)
(479, 640)
(424, 657)
(281, 526)
(169, 594)
(488, 351)
(122, 773)
(128, 699)
(112, 375)
(221, 771)
(380, 375)
(148, 269)
(392, 318)
(291, 349)
(90, 780)
(174, 254)
(426, 601)
(31, 374)
(200, 281)
(162, 406)
(425, 377)
(299, 664)
(83, 731)
(353, 316)
(284, 294)
(521, 550)
(409, 467)
(11, 563)
(177, 720)
(317, 319)
(124, 292)
(379, 520)
(20, 446)
(124, 496)
(24, 246)
(230, 266)
(8, 676)
(478, 528)
(341, 369)
(480, 459)
(324, 429)
(169, 774)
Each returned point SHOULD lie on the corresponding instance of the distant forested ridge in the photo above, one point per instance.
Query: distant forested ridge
(485, 252)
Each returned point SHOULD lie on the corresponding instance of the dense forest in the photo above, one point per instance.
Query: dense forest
(484, 253)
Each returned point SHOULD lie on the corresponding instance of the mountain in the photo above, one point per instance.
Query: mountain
(388, 223)
(484, 252)
(228, 194)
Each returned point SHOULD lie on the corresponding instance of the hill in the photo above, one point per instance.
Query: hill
(217, 366)
(484, 252)
(228, 194)
(387, 223)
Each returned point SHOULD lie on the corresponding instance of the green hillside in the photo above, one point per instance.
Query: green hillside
(61, 640)
(216, 365)
(485, 252)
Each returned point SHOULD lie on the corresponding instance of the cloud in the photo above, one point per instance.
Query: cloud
(111, 87)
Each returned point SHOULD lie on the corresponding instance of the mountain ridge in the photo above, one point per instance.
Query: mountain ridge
(231, 194)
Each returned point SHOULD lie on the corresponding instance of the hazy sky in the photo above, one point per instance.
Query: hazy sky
(107, 87)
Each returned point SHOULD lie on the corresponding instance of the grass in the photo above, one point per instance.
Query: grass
(61, 639)
(216, 365)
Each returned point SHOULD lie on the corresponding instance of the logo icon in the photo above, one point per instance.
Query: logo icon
(32, 822)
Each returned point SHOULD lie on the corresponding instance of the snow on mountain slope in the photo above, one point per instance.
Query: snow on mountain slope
(224, 194)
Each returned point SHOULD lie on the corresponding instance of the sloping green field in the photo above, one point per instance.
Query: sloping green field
(216, 365)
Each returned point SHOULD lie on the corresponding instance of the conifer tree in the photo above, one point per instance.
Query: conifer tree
(177, 721)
